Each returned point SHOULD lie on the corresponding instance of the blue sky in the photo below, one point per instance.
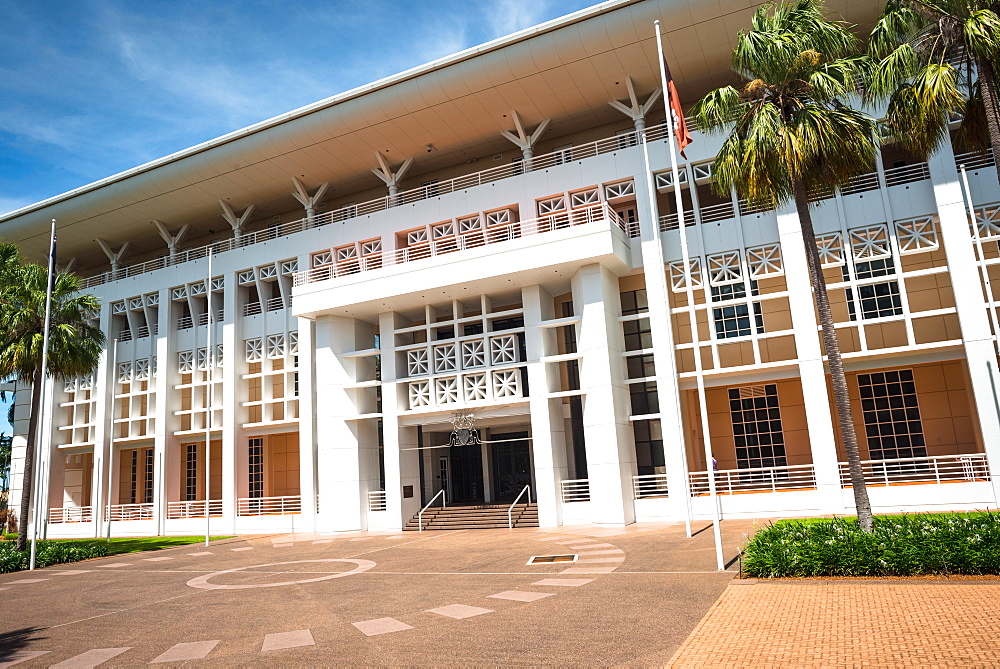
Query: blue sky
(89, 88)
(93, 87)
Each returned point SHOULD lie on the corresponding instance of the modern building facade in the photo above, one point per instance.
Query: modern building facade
(319, 296)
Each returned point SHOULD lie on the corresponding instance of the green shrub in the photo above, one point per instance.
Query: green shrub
(49, 553)
(905, 545)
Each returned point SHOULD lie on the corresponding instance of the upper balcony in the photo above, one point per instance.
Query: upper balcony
(461, 183)
(548, 247)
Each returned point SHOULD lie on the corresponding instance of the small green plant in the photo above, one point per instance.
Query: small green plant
(49, 553)
(906, 545)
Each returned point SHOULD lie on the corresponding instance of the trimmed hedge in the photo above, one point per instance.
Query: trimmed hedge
(49, 553)
(907, 545)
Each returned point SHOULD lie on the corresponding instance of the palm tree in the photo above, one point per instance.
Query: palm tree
(935, 60)
(791, 136)
(74, 347)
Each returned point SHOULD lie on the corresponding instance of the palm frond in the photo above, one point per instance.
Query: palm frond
(717, 110)
(890, 72)
(981, 33)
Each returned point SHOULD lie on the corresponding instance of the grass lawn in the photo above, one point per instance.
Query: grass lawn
(62, 551)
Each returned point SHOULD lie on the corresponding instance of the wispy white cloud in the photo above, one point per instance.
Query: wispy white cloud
(103, 85)
(509, 16)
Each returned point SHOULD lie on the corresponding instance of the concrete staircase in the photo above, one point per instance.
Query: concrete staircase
(481, 517)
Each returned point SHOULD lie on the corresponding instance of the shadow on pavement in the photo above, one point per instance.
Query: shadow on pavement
(16, 640)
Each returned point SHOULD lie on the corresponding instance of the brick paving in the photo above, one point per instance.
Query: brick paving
(848, 623)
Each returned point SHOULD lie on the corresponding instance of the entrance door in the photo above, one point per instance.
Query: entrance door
(511, 465)
(467, 475)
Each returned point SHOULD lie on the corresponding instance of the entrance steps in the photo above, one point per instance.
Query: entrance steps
(479, 517)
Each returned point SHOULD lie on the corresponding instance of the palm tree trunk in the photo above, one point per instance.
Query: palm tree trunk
(988, 86)
(840, 396)
(29, 461)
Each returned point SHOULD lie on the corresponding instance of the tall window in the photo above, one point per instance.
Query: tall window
(147, 495)
(878, 300)
(757, 426)
(892, 418)
(133, 477)
(734, 320)
(256, 483)
(191, 472)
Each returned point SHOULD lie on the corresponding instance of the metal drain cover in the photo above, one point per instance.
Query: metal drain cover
(550, 559)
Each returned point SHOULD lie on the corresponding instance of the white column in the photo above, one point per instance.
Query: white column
(346, 447)
(103, 390)
(234, 366)
(664, 359)
(402, 464)
(166, 404)
(812, 372)
(307, 422)
(980, 352)
(608, 435)
(547, 426)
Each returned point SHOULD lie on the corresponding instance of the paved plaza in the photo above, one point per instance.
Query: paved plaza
(644, 595)
(432, 598)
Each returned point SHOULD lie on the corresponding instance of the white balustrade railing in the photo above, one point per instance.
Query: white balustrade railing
(600, 212)
(860, 184)
(275, 303)
(376, 500)
(975, 160)
(907, 174)
(546, 161)
(649, 485)
(938, 469)
(268, 506)
(193, 508)
(575, 490)
(72, 514)
(252, 308)
(669, 221)
(130, 512)
(758, 479)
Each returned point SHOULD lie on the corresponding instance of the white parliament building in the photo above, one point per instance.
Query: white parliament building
(492, 238)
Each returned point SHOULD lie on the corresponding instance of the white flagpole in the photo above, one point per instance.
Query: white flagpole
(686, 259)
(39, 430)
(209, 369)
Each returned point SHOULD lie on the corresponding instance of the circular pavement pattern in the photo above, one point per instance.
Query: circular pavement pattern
(203, 581)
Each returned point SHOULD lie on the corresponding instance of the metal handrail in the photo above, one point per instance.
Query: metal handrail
(444, 503)
(510, 522)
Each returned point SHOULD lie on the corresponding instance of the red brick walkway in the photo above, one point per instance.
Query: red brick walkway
(870, 624)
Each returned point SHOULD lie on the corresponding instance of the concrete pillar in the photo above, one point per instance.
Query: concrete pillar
(812, 372)
(347, 449)
(547, 425)
(104, 379)
(610, 447)
(233, 445)
(167, 401)
(980, 351)
(307, 422)
(402, 464)
(664, 360)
